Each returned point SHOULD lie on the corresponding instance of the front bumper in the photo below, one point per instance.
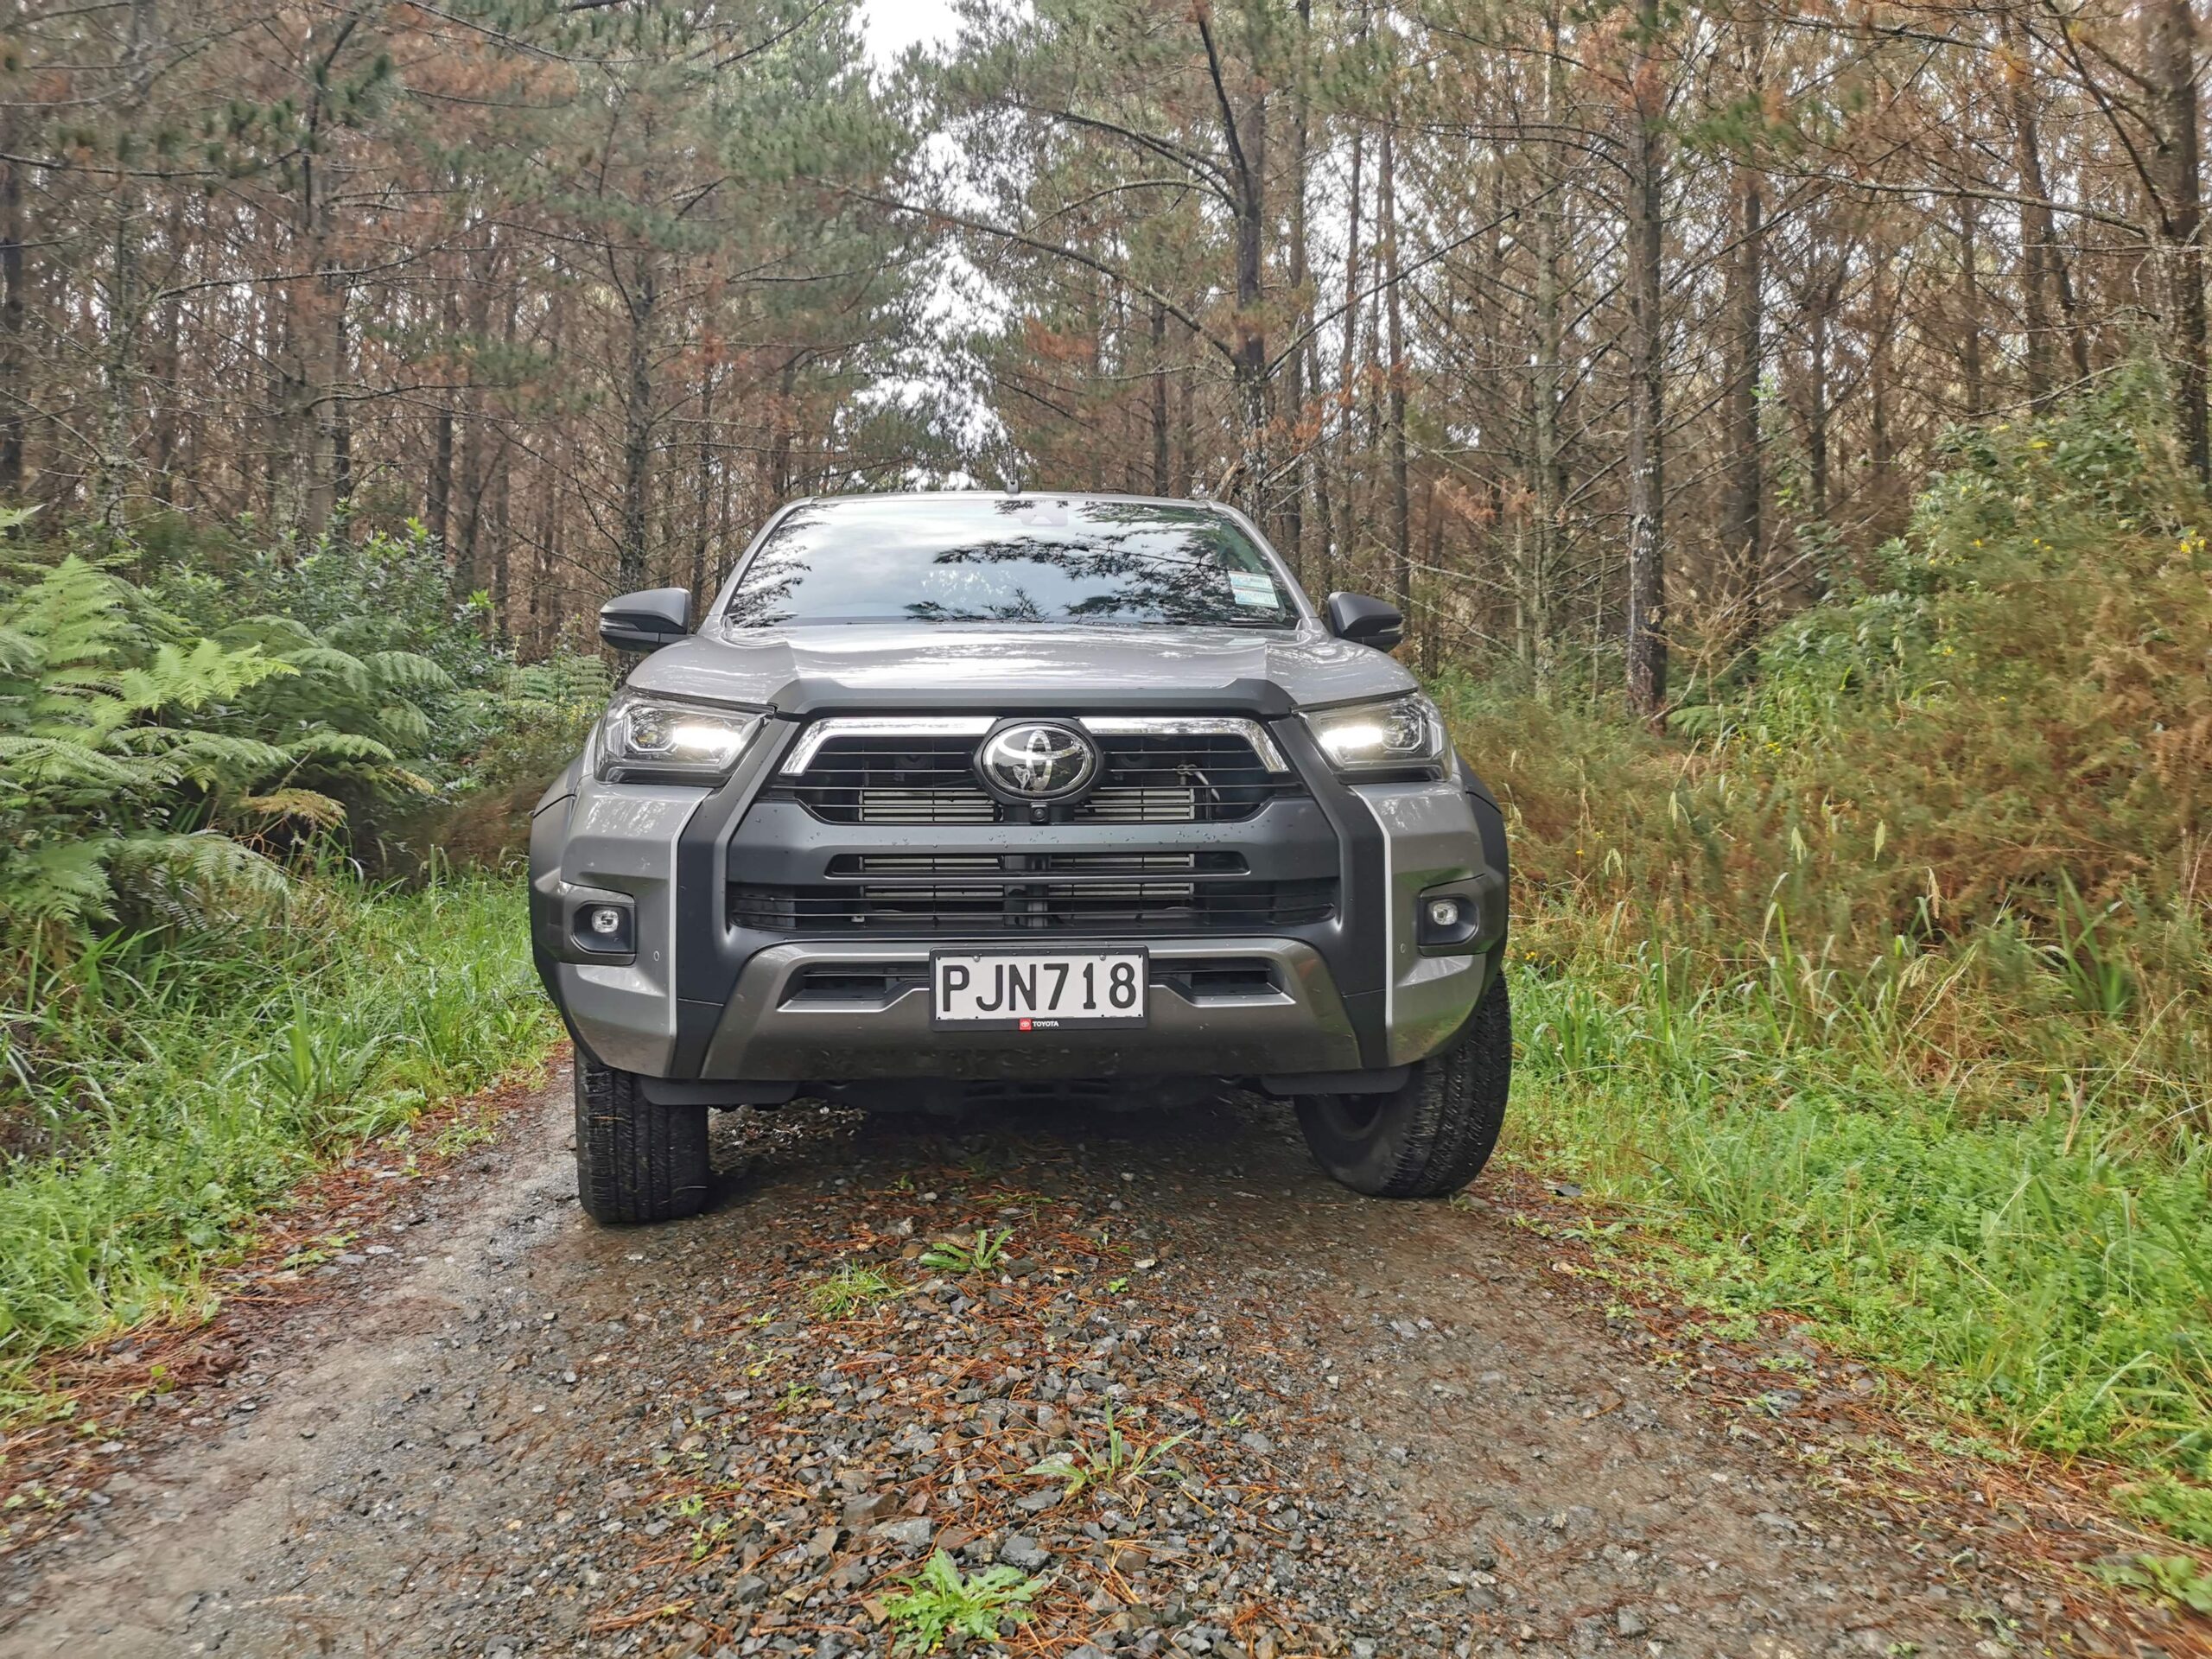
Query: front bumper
(1215, 1007)
(704, 992)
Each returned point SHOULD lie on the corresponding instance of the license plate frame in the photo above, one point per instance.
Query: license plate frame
(1056, 1017)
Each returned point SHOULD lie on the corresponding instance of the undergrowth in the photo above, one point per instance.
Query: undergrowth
(158, 1096)
(1881, 988)
(2044, 1273)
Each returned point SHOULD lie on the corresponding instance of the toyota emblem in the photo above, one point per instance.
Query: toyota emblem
(1036, 762)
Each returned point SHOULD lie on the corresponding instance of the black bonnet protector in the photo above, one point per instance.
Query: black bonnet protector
(806, 697)
(873, 669)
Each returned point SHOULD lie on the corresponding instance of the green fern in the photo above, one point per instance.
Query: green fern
(160, 741)
(93, 784)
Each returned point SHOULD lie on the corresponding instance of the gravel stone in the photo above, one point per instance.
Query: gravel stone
(1024, 1552)
(1370, 1431)
(911, 1533)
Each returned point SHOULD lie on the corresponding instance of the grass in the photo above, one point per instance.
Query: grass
(940, 1601)
(852, 1289)
(163, 1097)
(2049, 1272)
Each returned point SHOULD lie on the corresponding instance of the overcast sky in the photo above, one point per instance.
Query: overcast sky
(894, 25)
(961, 297)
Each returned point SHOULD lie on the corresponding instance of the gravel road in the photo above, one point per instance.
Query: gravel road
(1298, 1423)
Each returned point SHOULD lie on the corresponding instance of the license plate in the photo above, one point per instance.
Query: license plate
(1008, 990)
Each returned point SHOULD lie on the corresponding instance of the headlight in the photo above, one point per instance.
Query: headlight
(657, 740)
(1405, 732)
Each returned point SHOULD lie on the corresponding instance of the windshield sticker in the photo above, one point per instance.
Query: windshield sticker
(1252, 588)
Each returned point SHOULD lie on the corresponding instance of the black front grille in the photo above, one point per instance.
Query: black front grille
(996, 865)
(1145, 778)
(1009, 904)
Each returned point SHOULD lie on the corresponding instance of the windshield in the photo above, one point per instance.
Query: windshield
(990, 559)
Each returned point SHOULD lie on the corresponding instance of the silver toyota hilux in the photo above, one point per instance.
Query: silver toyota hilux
(967, 797)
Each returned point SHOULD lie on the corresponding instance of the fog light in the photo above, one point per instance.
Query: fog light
(1444, 913)
(607, 921)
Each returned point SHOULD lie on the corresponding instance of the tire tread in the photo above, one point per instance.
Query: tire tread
(1446, 1120)
(637, 1163)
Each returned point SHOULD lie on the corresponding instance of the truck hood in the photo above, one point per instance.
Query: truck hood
(1021, 669)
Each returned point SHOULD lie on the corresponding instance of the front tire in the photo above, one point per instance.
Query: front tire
(1432, 1135)
(637, 1161)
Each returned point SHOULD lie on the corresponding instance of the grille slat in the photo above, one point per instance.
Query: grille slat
(1011, 866)
(1018, 906)
(1145, 778)
(1109, 805)
(947, 805)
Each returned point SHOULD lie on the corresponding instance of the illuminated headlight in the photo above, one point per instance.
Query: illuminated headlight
(1405, 732)
(657, 740)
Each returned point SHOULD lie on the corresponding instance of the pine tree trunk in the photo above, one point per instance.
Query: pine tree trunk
(1250, 324)
(1161, 481)
(169, 414)
(1970, 306)
(1881, 393)
(702, 489)
(437, 503)
(1742, 529)
(1539, 566)
(338, 402)
(1302, 314)
(1402, 529)
(1347, 388)
(500, 514)
(117, 368)
(1186, 458)
(1817, 401)
(1646, 645)
(118, 364)
(779, 445)
(15, 387)
(321, 430)
(632, 551)
(1432, 642)
(2038, 225)
(2169, 52)
(437, 494)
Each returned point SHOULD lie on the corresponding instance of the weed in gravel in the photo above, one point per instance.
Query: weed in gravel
(940, 1601)
(852, 1289)
(2175, 1579)
(1116, 1461)
(982, 1255)
(2184, 1510)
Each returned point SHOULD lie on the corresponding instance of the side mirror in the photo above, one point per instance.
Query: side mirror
(645, 622)
(1364, 621)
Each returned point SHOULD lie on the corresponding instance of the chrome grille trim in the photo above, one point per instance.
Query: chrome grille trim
(1251, 731)
(821, 731)
(811, 739)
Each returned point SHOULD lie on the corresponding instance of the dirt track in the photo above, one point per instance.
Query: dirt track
(495, 1430)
